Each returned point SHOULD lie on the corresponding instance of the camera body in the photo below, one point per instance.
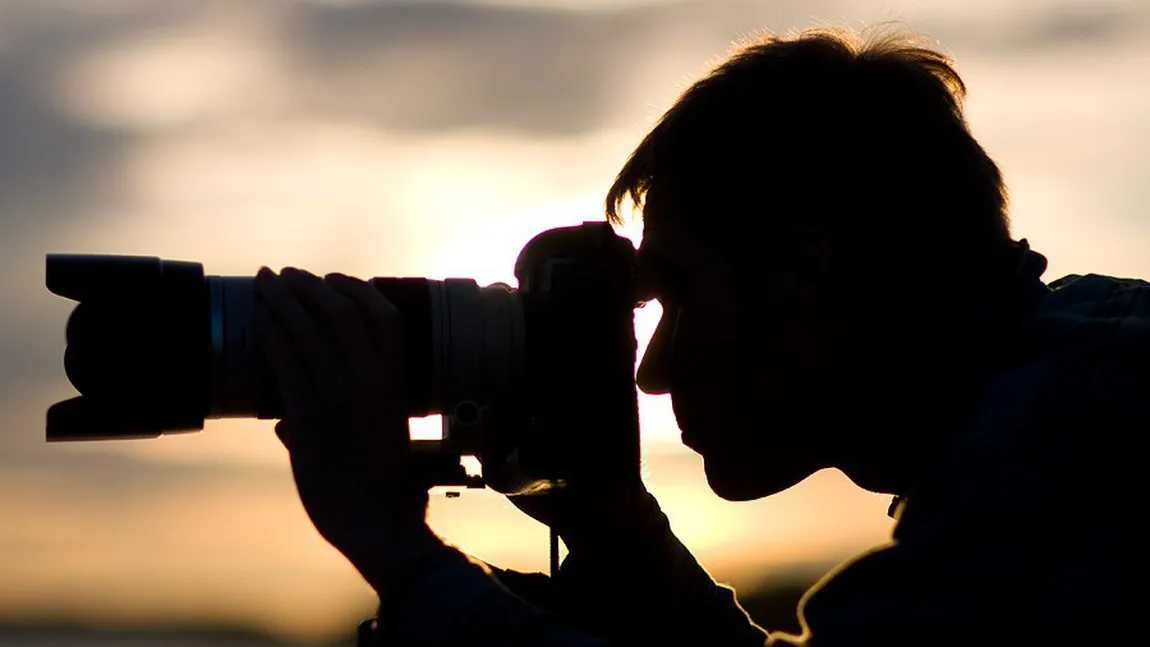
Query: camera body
(536, 382)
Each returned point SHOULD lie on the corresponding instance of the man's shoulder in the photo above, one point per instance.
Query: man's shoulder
(1093, 334)
(1057, 438)
(1074, 405)
(1097, 295)
(1027, 525)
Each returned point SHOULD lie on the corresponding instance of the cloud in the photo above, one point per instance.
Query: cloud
(438, 66)
(1001, 29)
(1069, 24)
(424, 67)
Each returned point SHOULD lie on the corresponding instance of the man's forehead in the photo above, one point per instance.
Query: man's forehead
(667, 234)
(678, 230)
(675, 215)
(673, 247)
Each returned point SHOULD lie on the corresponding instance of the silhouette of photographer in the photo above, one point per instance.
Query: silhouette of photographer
(840, 288)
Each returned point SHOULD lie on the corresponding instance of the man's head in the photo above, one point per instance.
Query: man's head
(815, 213)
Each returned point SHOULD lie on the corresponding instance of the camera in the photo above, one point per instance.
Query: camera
(536, 382)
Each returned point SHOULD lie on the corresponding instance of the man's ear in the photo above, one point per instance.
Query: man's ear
(819, 256)
(813, 262)
(816, 252)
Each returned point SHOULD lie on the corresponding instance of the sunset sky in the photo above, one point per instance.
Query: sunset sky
(432, 139)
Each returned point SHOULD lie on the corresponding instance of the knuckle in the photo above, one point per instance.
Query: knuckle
(290, 276)
(344, 280)
(335, 280)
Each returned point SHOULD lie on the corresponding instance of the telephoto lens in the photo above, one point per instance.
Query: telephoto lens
(156, 346)
(536, 382)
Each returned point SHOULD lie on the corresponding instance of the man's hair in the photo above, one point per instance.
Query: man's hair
(865, 137)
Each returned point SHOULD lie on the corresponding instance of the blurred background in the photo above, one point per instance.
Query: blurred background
(429, 139)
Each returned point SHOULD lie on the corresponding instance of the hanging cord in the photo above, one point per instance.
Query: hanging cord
(554, 553)
(550, 502)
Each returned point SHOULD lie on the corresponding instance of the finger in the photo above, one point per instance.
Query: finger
(283, 360)
(384, 327)
(338, 314)
(299, 327)
(342, 320)
(362, 295)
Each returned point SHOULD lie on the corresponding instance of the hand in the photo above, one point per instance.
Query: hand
(596, 521)
(335, 349)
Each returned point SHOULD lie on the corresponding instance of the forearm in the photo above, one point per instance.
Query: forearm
(651, 592)
(457, 602)
(442, 598)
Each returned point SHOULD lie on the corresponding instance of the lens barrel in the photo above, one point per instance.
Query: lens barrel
(155, 347)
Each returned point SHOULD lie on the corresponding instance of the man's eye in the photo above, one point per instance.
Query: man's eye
(658, 280)
(672, 287)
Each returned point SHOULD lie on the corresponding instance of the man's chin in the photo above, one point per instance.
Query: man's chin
(740, 481)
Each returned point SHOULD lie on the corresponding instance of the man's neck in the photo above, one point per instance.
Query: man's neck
(978, 346)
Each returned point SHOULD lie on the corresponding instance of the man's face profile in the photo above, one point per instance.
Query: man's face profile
(736, 354)
(776, 368)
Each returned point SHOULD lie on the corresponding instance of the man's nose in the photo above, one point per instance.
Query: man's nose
(654, 374)
(652, 378)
